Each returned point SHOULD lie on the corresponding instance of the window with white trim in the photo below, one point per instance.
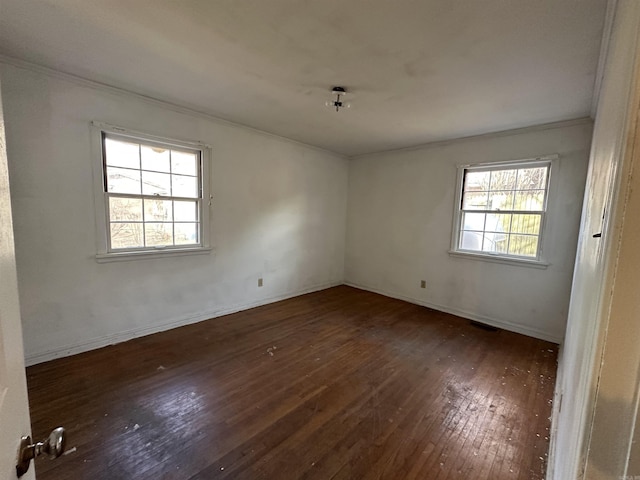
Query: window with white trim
(501, 209)
(153, 193)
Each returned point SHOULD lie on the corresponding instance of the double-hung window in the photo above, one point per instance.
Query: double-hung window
(154, 194)
(501, 208)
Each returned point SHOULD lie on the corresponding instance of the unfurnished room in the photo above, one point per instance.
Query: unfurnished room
(286, 239)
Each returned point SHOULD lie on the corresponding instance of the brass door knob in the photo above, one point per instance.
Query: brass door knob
(53, 446)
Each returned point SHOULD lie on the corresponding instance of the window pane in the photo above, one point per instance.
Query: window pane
(525, 245)
(532, 178)
(184, 163)
(121, 154)
(471, 240)
(526, 224)
(473, 221)
(185, 186)
(156, 210)
(498, 222)
(186, 233)
(185, 211)
(490, 241)
(503, 179)
(500, 200)
(126, 235)
(501, 243)
(155, 158)
(495, 241)
(158, 234)
(476, 181)
(529, 200)
(156, 183)
(125, 209)
(475, 201)
(121, 180)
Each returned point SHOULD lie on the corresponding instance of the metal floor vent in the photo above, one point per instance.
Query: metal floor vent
(484, 326)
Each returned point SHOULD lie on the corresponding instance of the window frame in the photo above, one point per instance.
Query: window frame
(539, 260)
(99, 131)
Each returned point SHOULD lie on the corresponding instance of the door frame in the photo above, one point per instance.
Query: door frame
(577, 393)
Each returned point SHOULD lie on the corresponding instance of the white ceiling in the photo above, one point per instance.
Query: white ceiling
(420, 70)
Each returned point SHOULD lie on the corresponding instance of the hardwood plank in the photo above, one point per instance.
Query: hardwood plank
(338, 384)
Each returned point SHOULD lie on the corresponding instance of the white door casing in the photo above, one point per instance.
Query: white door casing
(581, 356)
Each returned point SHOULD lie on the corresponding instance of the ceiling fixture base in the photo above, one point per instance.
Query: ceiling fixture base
(338, 103)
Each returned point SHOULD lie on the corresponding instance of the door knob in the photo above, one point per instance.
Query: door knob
(53, 446)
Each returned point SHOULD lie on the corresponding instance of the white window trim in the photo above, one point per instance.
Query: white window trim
(535, 262)
(103, 254)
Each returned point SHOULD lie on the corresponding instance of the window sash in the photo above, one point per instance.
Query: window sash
(505, 212)
(486, 233)
(141, 141)
(153, 197)
(143, 221)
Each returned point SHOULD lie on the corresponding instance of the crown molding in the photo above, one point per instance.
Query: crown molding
(483, 136)
(187, 110)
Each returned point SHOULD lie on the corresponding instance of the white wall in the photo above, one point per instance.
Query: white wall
(400, 219)
(279, 213)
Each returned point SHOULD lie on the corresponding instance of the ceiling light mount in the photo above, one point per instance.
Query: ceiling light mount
(338, 103)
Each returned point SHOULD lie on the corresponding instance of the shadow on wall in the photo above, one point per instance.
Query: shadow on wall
(609, 439)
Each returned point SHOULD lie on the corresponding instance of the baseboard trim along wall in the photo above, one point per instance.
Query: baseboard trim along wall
(505, 325)
(120, 337)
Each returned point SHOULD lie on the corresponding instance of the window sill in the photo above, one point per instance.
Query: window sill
(128, 256)
(520, 262)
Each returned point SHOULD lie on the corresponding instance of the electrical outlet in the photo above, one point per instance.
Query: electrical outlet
(259, 282)
(423, 284)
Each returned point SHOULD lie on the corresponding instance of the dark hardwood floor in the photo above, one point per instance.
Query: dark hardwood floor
(338, 384)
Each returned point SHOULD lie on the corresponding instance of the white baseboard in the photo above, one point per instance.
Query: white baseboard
(111, 339)
(505, 325)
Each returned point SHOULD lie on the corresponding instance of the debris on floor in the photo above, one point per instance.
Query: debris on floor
(70, 451)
